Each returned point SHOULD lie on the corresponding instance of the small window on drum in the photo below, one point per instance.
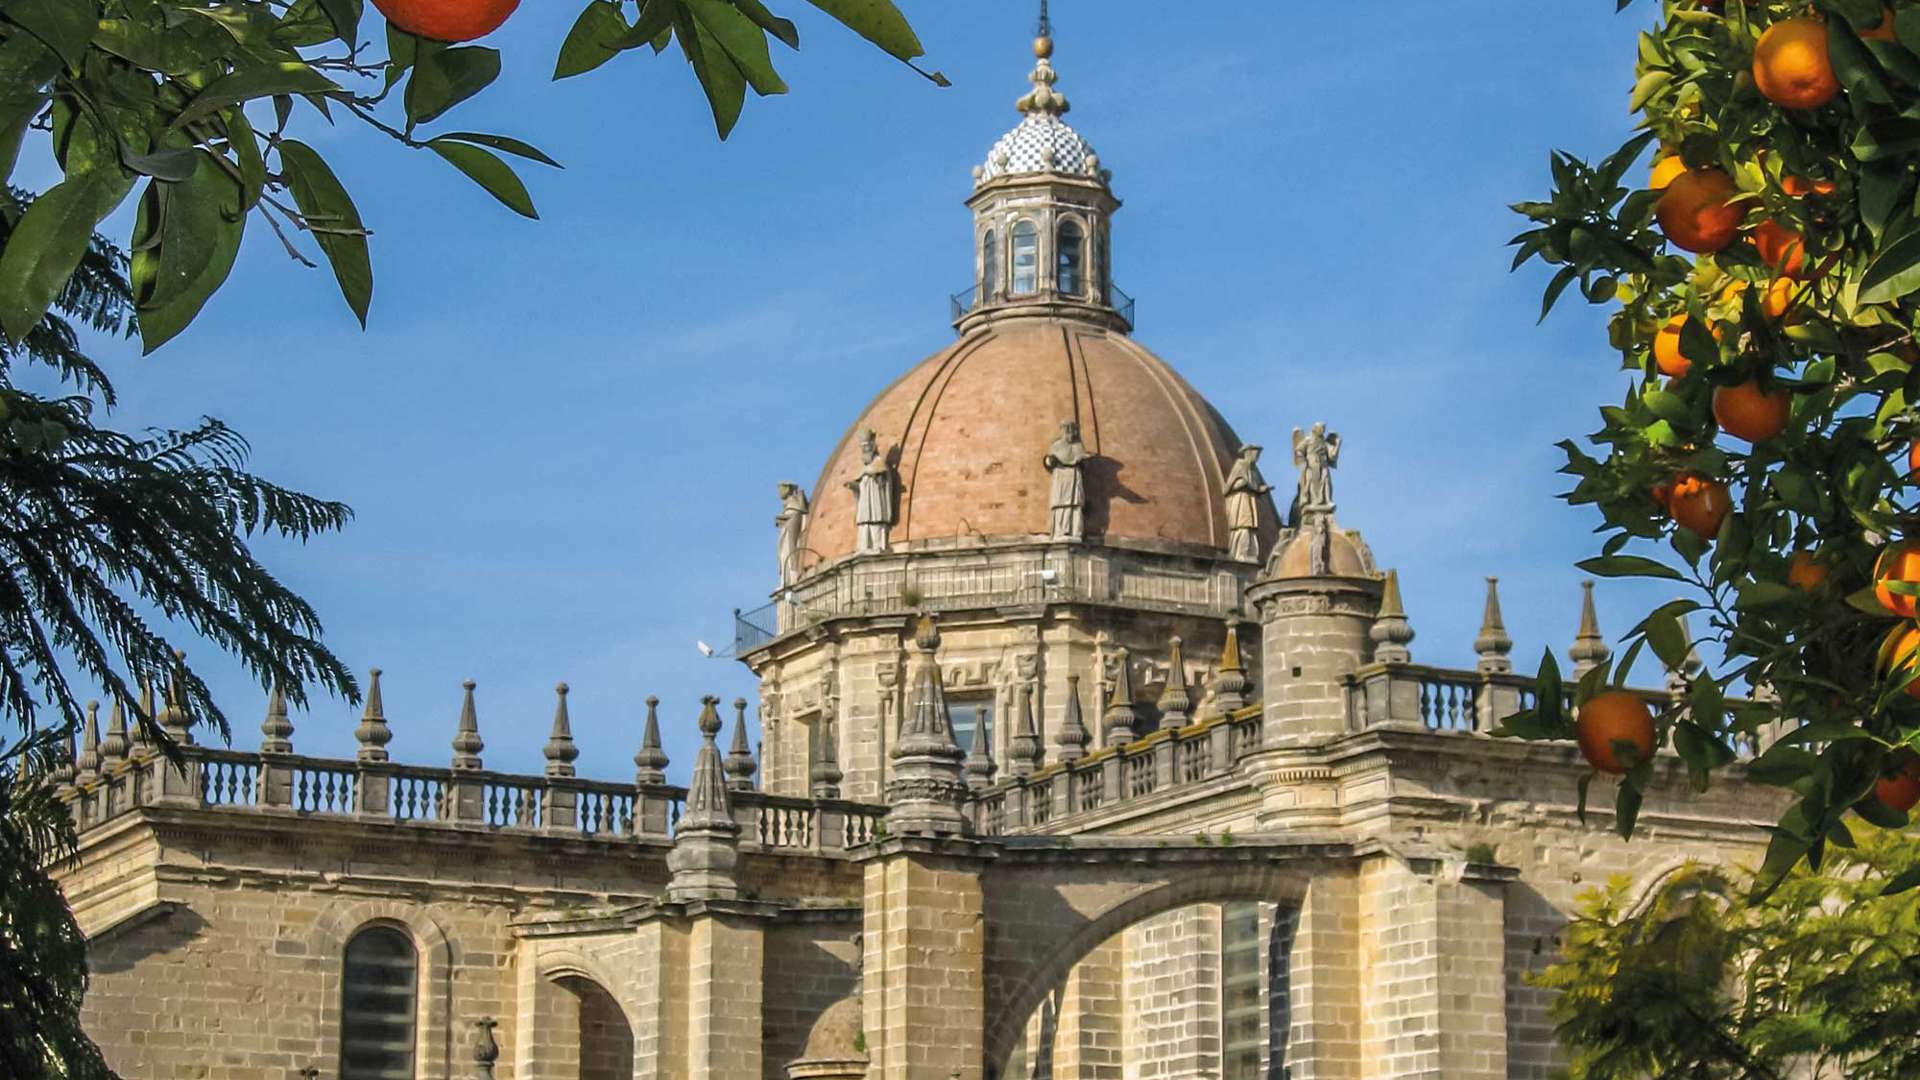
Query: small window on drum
(379, 979)
(1070, 277)
(1026, 258)
(989, 266)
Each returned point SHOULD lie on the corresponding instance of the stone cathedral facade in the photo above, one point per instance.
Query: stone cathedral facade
(1079, 755)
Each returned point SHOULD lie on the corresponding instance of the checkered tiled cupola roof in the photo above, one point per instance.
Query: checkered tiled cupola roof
(1041, 143)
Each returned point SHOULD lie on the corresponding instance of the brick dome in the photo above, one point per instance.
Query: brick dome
(968, 427)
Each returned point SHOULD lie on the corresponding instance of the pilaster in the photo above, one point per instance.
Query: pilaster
(923, 971)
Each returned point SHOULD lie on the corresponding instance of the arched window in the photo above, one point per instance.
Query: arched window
(1069, 278)
(1102, 282)
(379, 977)
(1026, 258)
(989, 266)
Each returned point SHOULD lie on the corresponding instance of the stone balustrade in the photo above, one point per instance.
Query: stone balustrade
(224, 780)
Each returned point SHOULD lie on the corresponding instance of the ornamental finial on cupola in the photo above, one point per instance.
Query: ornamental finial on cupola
(1043, 98)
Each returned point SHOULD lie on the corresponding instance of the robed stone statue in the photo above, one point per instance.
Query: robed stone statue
(1243, 490)
(1315, 454)
(1068, 489)
(791, 521)
(872, 498)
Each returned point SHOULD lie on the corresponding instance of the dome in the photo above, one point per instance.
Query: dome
(1347, 555)
(834, 1049)
(1040, 143)
(967, 431)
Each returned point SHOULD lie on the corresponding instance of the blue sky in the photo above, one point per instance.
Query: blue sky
(562, 437)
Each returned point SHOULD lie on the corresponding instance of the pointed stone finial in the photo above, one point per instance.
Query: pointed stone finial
(173, 717)
(276, 731)
(824, 776)
(373, 734)
(67, 764)
(1043, 98)
(1175, 701)
(706, 838)
(1071, 742)
(1589, 649)
(740, 764)
(1391, 632)
(927, 788)
(87, 765)
(1493, 644)
(1023, 750)
(113, 748)
(140, 744)
(560, 751)
(650, 764)
(1120, 717)
(466, 738)
(979, 765)
(1230, 680)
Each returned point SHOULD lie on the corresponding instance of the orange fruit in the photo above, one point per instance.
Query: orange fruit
(1693, 210)
(1804, 572)
(1795, 185)
(1883, 32)
(1748, 412)
(1614, 716)
(1825, 187)
(1791, 67)
(1899, 783)
(1699, 504)
(1666, 348)
(1665, 170)
(1899, 562)
(1782, 248)
(1778, 299)
(447, 20)
(1913, 460)
(1898, 651)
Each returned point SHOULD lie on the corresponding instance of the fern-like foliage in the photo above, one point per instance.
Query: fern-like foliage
(109, 542)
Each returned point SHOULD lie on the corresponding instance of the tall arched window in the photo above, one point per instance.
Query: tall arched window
(1069, 278)
(379, 978)
(1026, 258)
(989, 266)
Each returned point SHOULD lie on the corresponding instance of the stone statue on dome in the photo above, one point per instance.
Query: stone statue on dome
(873, 498)
(1315, 453)
(1244, 487)
(1068, 494)
(791, 521)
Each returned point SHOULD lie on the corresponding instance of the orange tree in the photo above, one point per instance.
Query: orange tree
(1766, 268)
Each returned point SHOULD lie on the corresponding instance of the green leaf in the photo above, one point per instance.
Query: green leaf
(1648, 85)
(1697, 342)
(246, 156)
(26, 68)
(1626, 804)
(200, 224)
(746, 44)
(594, 40)
(1782, 765)
(1555, 287)
(489, 172)
(1825, 731)
(345, 16)
(1668, 639)
(1854, 66)
(878, 21)
(47, 243)
(1547, 690)
(725, 87)
(247, 83)
(502, 143)
(66, 26)
(444, 78)
(173, 165)
(1580, 805)
(1909, 878)
(771, 23)
(1886, 140)
(1759, 595)
(1615, 566)
(329, 210)
(1894, 272)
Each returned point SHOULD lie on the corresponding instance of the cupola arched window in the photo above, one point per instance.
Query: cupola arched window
(1026, 258)
(989, 266)
(1101, 280)
(379, 978)
(1069, 277)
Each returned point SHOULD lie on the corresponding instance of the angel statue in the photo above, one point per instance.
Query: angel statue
(1244, 487)
(1315, 453)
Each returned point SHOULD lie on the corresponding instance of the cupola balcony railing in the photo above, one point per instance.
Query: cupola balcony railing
(967, 301)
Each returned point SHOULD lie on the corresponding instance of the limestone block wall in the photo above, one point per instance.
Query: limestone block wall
(811, 962)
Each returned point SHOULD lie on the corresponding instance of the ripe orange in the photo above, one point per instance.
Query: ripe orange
(1913, 460)
(1899, 651)
(1665, 170)
(1790, 64)
(1782, 248)
(1616, 715)
(1805, 572)
(1693, 210)
(447, 20)
(1899, 562)
(1699, 504)
(1795, 185)
(1666, 348)
(1778, 299)
(1899, 783)
(1748, 412)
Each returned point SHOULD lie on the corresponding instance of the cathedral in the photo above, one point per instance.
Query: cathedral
(1080, 750)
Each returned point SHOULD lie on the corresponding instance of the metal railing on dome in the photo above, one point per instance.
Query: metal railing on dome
(967, 300)
(752, 629)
